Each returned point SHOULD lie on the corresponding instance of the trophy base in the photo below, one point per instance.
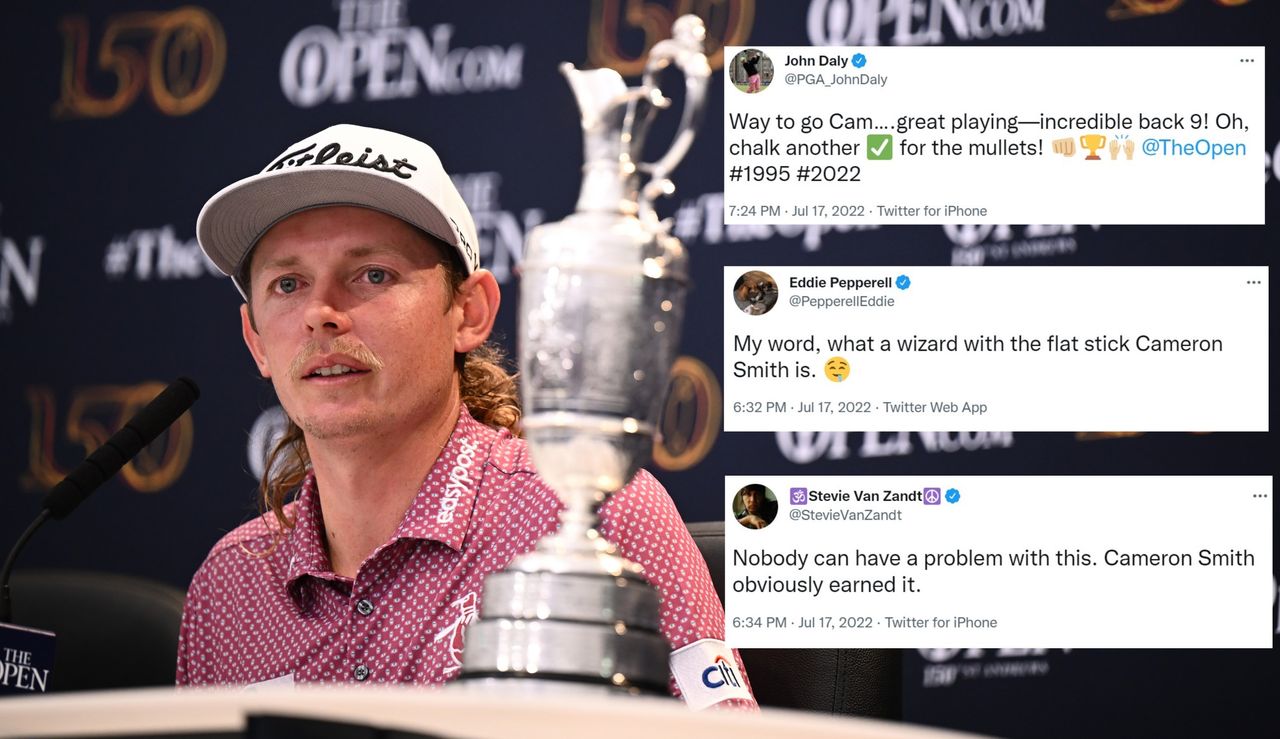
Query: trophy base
(544, 685)
(613, 657)
(571, 629)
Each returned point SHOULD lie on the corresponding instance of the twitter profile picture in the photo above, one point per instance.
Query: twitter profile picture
(751, 71)
(755, 293)
(755, 506)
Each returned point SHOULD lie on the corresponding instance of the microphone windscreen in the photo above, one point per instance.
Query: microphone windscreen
(160, 413)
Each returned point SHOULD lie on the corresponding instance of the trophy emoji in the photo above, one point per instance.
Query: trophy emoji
(602, 300)
(1093, 142)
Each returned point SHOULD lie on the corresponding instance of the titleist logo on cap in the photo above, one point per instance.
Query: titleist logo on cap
(332, 153)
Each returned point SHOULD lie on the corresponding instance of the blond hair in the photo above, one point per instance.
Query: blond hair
(487, 389)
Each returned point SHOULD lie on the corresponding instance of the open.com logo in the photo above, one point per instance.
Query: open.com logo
(728, 674)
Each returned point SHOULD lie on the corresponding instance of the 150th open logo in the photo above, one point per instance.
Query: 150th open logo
(1122, 9)
(95, 413)
(178, 56)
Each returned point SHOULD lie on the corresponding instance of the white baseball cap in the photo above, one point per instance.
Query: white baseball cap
(341, 165)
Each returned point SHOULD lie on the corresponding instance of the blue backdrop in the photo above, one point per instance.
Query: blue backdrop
(120, 119)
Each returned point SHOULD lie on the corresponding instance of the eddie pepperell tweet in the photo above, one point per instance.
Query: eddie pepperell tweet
(841, 348)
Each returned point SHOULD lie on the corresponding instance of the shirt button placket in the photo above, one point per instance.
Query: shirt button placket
(360, 638)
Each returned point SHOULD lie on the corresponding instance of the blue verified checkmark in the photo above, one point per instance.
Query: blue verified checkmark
(903, 282)
(953, 495)
(859, 60)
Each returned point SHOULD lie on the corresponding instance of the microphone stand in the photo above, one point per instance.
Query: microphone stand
(5, 606)
(99, 466)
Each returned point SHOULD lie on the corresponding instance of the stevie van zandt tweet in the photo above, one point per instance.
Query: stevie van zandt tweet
(1009, 561)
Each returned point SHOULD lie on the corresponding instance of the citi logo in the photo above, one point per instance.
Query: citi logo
(721, 673)
(20, 272)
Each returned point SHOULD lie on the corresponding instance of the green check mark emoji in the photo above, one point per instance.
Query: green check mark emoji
(880, 146)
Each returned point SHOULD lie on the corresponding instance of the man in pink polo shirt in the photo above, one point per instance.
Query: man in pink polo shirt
(366, 306)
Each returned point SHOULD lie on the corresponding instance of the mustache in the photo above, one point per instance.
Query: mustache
(340, 345)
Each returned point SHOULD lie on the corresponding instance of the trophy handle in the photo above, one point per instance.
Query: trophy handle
(684, 48)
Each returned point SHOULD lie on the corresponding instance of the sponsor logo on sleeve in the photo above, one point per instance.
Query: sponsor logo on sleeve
(707, 673)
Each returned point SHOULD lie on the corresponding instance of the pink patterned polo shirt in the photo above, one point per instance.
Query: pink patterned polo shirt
(251, 618)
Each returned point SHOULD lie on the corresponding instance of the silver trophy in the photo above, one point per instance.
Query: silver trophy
(602, 300)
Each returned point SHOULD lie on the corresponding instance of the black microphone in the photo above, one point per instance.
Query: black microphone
(138, 432)
(105, 461)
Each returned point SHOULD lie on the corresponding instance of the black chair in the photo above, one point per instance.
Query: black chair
(861, 682)
(114, 631)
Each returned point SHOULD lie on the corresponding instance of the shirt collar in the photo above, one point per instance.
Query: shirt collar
(308, 555)
(441, 511)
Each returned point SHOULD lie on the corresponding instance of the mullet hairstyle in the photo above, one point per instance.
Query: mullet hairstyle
(487, 390)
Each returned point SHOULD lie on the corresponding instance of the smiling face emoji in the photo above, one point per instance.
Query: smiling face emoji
(837, 369)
